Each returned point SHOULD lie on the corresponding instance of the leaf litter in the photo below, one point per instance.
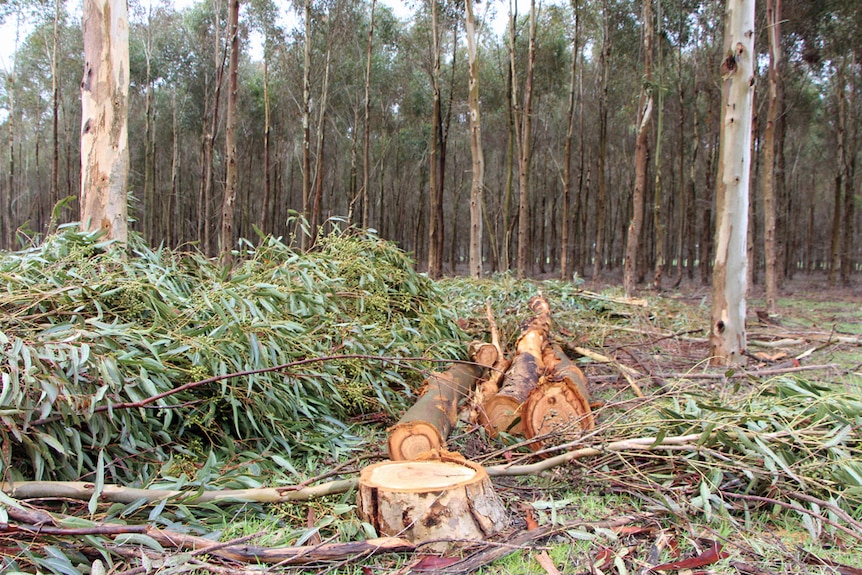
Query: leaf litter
(84, 332)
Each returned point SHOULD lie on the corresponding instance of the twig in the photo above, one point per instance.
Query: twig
(759, 373)
(73, 531)
(832, 507)
(520, 539)
(793, 507)
(281, 555)
(625, 370)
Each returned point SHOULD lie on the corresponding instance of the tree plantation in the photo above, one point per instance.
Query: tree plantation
(303, 286)
(375, 112)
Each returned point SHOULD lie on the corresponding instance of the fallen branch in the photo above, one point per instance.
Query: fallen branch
(745, 374)
(794, 507)
(83, 491)
(282, 555)
(628, 373)
(281, 367)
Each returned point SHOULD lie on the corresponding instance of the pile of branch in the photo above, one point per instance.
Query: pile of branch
(536, 392)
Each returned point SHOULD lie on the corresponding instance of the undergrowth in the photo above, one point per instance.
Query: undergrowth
(85, 330)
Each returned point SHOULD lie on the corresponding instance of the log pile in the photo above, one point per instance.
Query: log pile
(536, 393)
(426, 494)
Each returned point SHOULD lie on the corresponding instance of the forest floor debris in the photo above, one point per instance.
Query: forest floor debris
(745, 471)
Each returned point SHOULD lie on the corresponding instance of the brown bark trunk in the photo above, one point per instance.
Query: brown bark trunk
(306, 124)
(366, 121)
(773, 25)
(523, 131)
(501, 412)
(478, 166)
(601, 200)
(321, 141)
(565, 231)
(232, 176)
(266, 218)
(435, 213)
(641, 156)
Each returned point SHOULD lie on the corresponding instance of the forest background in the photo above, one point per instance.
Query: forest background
(301, 144)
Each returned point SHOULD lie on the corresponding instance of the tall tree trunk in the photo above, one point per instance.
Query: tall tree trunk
(511, 101)
(6, 220)
(658, 217)
(104, 118)
(478, 182)
(727, 330)
(524, 132)
(840, 175)
(847, 259)
(55, 109)
(602, 199)
(366, 121)
(175, 219)
(321, 142)
(306, 122)
(641, 156)
(773, 26)
(565, 232)
(205, 192)
(435, 212)
(266, 215)
(149, 215)
(231, 180)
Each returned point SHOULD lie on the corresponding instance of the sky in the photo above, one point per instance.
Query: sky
(399, 7)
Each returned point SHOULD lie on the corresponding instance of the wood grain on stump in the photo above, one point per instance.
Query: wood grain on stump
(431, 500)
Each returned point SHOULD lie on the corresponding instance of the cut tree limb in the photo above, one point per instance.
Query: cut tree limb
(560, 403)
(502, 410)
(426, 425)
(490, 386)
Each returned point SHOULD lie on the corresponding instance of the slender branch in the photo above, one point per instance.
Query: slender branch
(794, 507)
(281, 367)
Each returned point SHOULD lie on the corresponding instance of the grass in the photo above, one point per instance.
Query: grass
(179, 319)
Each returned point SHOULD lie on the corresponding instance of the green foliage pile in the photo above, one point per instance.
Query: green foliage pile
(85, 329)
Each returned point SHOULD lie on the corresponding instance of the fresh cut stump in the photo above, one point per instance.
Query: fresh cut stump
(442, 501)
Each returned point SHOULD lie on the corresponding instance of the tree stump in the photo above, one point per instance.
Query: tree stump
(447, 499)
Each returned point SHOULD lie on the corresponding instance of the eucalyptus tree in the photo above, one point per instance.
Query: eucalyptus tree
(773, 24)
(231, 178)
(104, 126)
(645, 109)
(478, 168)
(727, 337)
(523, 122)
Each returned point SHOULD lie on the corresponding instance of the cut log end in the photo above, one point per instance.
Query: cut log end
(501, 413)
(559, 407)
(411, 439)
(430, 501)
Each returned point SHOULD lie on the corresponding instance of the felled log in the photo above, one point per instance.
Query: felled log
(501, 411)
(431, 500)
(426, 425)
(560, 403)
